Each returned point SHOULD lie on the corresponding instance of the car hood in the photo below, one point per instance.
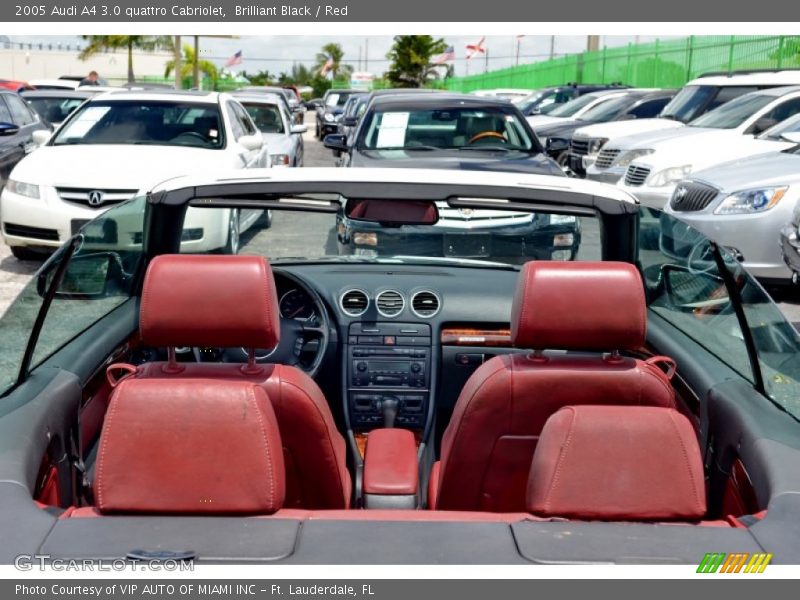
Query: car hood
(619, 129)
(115, 166)
(562, 128)
(773, 168)
(539, 120)
(647, 139)
(703, 148)
(474, 161)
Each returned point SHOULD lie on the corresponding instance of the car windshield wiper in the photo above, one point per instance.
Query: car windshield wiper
(488, 147)
(422, 147)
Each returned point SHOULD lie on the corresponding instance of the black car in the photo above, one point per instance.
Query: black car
(558, 137)
(18, 121)
(454, 131)
(54, 106)
(546, 99)
(330, 113)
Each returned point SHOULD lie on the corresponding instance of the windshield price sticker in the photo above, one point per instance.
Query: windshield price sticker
(392, 131)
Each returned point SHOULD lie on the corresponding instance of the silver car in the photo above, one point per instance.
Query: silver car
(743, 205)
(283, 138)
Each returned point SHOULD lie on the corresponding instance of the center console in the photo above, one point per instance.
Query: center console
(388, 374)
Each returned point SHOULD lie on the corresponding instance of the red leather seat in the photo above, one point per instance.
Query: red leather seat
(630, 463)
(189, 447)
(593, 307)
(230, 301)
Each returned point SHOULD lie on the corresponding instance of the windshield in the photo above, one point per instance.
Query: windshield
(608, 110)
(267, 117)
(337, 99)
(453, 128)
(54, 110)
(464, 236)
(693, 100)
(154, 122)
(733, 113)
(568, 109)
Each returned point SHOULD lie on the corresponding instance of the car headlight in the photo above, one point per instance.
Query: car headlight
(329, 117)
(626, 158)
(751, 201)
(671, 175)
(23, 189)
(279, 160)
(596, 145)
(338, 117)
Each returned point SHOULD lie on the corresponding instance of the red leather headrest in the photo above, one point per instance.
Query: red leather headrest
(179, 446)
(635, 463)
(579, 306)
(204, 300)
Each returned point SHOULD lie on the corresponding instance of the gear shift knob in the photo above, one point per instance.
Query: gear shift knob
(389, 407)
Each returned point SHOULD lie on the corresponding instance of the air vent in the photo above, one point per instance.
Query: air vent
(390, 303)
(354, 303)
(425, 304)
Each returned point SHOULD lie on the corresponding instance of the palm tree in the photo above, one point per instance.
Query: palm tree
(101, 43)
(187, 65)
(333, 52)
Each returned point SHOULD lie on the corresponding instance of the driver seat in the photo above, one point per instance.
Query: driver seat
(227, 302)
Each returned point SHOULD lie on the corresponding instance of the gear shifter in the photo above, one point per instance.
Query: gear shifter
(389, 407)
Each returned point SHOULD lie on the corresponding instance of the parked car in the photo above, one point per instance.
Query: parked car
(663, 391)
(282, 137)
(14, 85)
(574, 109)
(293, 106)
(454, 131)
(18, 123)
(744, 205)
(693, 100)
(330, 113)
(725, 133)
(548, 98)
(54, 84)
(573, 154)
(115, 145)
(55, 105)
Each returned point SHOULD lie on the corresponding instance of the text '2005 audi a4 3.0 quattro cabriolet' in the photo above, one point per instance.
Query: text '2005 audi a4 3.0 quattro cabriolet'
(289, 403)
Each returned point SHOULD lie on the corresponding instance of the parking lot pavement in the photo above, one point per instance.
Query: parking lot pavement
(282, 240)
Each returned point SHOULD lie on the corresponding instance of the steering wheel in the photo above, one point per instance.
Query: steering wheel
(191, 135)
(487, 134)
(700, 255)
(295, 334)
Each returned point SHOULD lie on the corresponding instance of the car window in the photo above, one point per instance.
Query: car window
(20, 112)
(784, 110)
(649, 108)
(267, 117)
(693, 100)
(5, 114)
(244, 119)
(143, 122)
(236, 124)
(95, 282)
(790, 125)
(685, 287)
(54, 109)
(567, 108)
(607, 110)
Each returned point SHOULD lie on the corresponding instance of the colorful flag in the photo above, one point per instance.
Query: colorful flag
(448, 55)
(234, 60)
(473, 49)
(326, 67)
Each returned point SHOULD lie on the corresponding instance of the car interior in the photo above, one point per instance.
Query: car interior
(440, 413)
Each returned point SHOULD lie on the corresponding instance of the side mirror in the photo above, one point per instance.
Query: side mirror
(557, 145)
(698, 292)
(87, 276)
(251, 142)
(41, 136)
(350, 121)
(299, 108)
(8, 129)
(791, 136)
(336, 142)
(298, 129)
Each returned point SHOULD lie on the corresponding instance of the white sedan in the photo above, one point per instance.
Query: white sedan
(115, 146)
(283, 138)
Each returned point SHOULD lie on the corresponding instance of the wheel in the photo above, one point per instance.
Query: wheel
(232, 247)
(317, 132)
(23, 253)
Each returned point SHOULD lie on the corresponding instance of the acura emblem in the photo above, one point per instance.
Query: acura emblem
(680, 192)
(95, 198)
(466, 212)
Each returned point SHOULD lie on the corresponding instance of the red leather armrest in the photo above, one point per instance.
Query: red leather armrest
(390, 465)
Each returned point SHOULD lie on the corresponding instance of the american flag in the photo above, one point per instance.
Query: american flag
(448, 55)
(326, 67)
(234, 60)
(473, 49)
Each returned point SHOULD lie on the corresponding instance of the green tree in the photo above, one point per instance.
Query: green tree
(206, 67)
(259, 78)
(333, 52)
(102, 43)
(411, 60)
